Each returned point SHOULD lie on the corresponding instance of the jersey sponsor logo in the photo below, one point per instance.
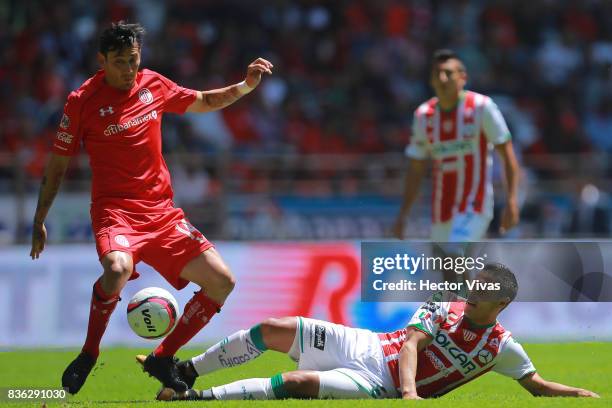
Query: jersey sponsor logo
(64, 137)
(108, 110)
(122, 240)
(437, 363)
(319, 339)
(120, 127)
(65, 122)
(485, 356)
(494, 343)
(452, 148)
(145, 96)
(468, 335)
(460, 357)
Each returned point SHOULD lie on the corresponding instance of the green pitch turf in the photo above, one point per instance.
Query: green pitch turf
(117, 380)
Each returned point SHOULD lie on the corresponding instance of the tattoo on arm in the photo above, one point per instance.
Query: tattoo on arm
(221, 98)
(48, 190)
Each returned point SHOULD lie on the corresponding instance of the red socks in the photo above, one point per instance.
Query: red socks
(198, 312)
(102, 306)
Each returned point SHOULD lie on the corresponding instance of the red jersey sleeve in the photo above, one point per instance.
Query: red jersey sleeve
(177, 99)
(67, 140)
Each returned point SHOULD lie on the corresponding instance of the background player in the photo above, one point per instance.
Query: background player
(117, 115)
(446, 344)
(457, 129)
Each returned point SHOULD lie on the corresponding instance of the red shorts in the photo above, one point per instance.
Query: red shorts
(163, 239)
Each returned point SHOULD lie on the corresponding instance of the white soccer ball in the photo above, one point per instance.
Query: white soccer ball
(152, 313)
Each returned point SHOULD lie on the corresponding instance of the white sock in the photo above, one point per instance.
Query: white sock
(239, 348)
(252, 388)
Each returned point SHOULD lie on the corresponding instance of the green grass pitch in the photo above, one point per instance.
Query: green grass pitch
(117, 380)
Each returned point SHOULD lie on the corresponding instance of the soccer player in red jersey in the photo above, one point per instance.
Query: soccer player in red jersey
(457, 130)
(447, 343)
(116, 115)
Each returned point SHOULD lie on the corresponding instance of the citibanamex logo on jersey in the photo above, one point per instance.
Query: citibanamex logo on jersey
(145, 96)
(120, 127)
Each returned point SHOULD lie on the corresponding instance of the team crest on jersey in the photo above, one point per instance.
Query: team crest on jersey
(447, 126)
(65, 122)
(469, 131)
(468, 335)
(122, 240)
(485, 356)
(145, 96)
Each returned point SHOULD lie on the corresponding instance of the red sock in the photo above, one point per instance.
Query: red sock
(100, 310)
(198, 312)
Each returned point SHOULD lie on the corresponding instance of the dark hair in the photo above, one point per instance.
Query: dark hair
(121, 35)
(501, 274)
(445, 54)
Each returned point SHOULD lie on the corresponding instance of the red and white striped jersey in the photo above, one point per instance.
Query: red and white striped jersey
(459, 142)
(458, 352)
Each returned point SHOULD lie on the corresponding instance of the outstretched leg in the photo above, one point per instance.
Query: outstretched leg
(303, 384)
(246, 345)
(294, 384)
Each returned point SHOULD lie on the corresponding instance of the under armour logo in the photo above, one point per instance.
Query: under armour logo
(108, 110)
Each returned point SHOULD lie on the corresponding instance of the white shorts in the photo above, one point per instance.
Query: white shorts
(465, 227)
(350, 361)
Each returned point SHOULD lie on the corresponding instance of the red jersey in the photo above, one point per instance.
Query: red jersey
(458, 352)
(459, 142)
(121, 132)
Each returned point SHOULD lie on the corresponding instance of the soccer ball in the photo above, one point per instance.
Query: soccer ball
(152, 313)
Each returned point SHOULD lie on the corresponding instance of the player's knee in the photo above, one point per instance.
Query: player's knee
(301, 384)
(117, 270)
(219, 284)
(272, 325)
(224, 281)
(278, 334)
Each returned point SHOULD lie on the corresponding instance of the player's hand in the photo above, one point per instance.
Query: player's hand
(256, 69)
(510, 217)
(398, 228)
(39, 238)
(587, 393)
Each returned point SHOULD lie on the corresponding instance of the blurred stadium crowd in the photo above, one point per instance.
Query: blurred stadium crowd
(348, 75)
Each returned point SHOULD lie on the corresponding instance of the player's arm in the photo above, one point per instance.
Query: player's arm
(207, 101)
(52, 179)
(412, 185)
(416, 340)
(538, 386)
(497, 133)
(510, 214)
